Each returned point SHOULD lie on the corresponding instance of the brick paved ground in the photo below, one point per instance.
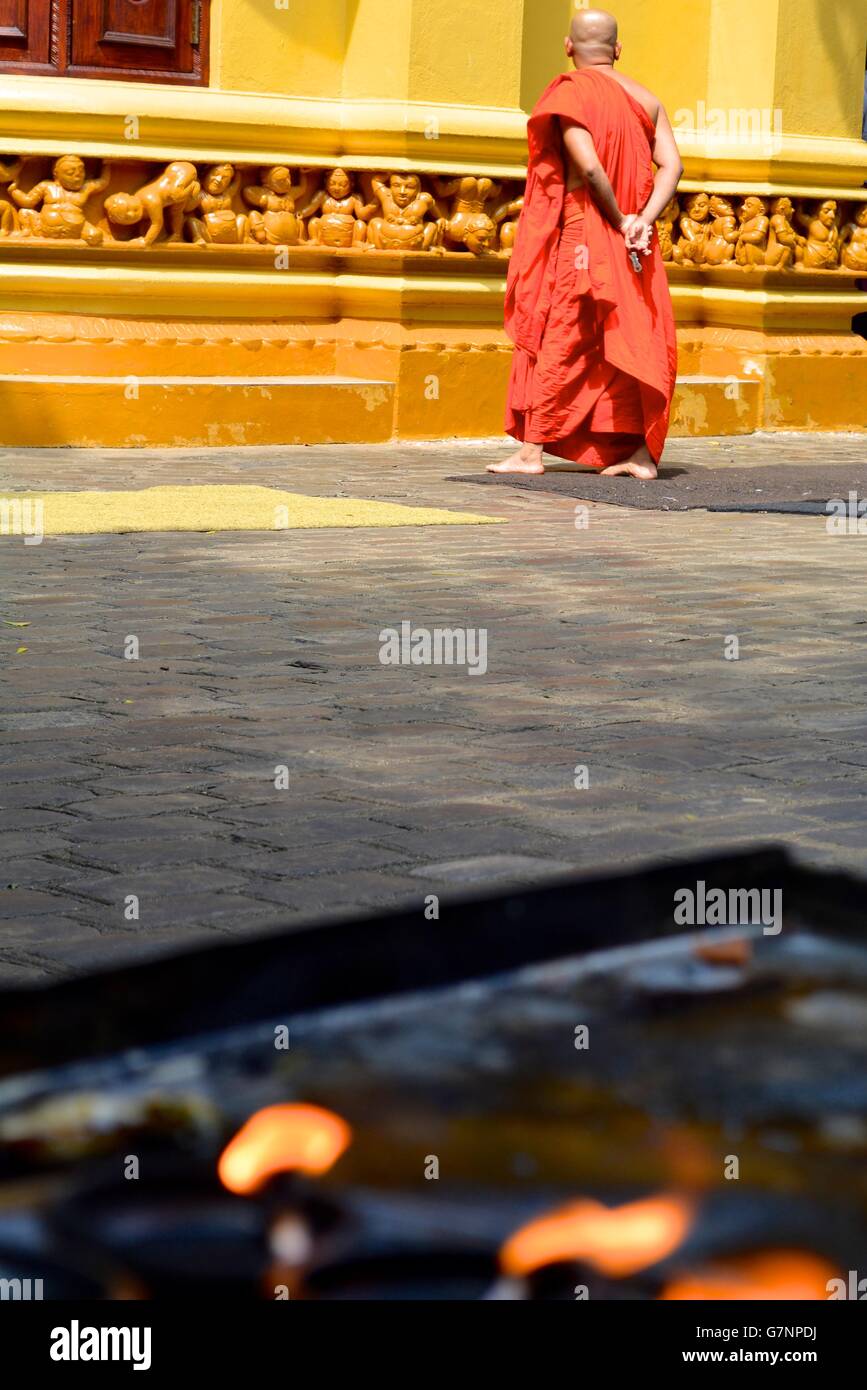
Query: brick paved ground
(155, 777)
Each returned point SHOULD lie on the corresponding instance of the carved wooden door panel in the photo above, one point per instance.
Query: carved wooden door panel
(25, 35)
(143, 40)
(137, 37)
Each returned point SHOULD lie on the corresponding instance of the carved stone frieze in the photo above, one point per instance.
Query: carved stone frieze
(133, 204)
(780, 233)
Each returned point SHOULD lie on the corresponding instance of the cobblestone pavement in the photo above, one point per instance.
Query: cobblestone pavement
(155, 778)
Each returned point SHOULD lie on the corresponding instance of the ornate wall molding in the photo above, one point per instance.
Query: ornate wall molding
(44, 115)
(140, 208)
(307, 338)
(132, 205)
(782, 233)
(151, 122)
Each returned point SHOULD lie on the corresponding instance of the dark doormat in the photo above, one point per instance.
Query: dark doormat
(777, 487)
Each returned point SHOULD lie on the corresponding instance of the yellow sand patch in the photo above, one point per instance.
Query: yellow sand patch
(226, 508)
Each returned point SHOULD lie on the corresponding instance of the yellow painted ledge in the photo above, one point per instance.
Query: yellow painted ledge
(217, 508)
(241, 282)
(40, 115)
(800, 164)
(51, 115)
(196, 286)
(126, 383)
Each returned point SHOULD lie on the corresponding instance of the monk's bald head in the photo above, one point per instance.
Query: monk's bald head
(593, 38)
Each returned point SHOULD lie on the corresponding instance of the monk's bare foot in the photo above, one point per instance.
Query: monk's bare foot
(527, 460)
(640, 465)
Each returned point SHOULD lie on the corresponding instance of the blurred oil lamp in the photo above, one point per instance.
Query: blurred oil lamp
(280, 1139)
(178, 1227)
(783, 1275)
(264, 1159)
(615, 1242)
(272, 1157)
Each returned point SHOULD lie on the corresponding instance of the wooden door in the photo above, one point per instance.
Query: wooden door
(25, 35)
(142, 40)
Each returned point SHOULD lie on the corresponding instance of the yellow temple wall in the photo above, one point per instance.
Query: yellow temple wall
(443, 87)
(297, 50)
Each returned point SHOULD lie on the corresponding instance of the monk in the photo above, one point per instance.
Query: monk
(587, 300)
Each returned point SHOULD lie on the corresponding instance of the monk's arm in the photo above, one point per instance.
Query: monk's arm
(582, 153)
(669, 171)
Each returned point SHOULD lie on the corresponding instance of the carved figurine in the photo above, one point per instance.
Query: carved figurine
(405, 208)
(167, 198)
(689, 249)
(214, 221)
(9, 171)
(783, 240)
(506, 218)
(468, 224)
(342, 214)
(61, 202)
(820, 249)
(722, 233)
(752, 242)
(665, 224)
(855, 241)
(274, 220)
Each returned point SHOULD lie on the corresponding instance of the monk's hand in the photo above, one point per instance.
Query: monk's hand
(639, 235)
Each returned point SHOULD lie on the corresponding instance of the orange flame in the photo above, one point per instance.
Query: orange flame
(736, 951)
(615, 1240)
(784, 1275)
(280, 1139)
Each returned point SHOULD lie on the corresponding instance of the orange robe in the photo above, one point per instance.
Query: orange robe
(595, 357)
